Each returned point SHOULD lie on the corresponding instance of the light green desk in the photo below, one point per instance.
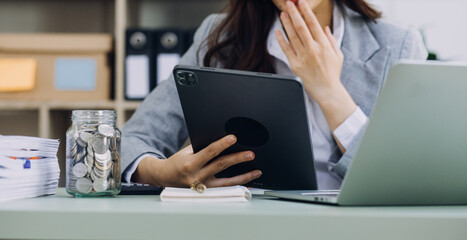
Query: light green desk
(145, 217)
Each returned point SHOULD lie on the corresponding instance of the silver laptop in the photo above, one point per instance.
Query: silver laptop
(414, 150)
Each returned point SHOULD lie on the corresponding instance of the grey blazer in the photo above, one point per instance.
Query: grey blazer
(370, 49)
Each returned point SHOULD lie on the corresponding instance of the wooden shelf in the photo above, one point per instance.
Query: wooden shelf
(50, 119)
(55, 105)
(132, 105)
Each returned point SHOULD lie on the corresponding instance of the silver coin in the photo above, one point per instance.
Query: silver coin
(97, 173)
(99, 144)
(80, 142)
(101, 174)
(104, 166)
(81, 153)
(103, 157)
(89, 160)
(80, 170)
(89, 150)
(89, 169)
(84, 185)
(89, 164)
(106, 130)
(100, 185)
(93, 176)
(85, 136)
(91, 128)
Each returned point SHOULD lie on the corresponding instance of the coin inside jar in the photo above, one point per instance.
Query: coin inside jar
(85, 136)
(104, 166)
(93, 175)
(84, 185)
(99, 144)
(89, 150)
(80, 170)
(80, 142)
(100, 185)
(103, 157)
(89, 128)
(93, 144)
(106, 130)
(81, 153)
(101, 174)
(89, 160)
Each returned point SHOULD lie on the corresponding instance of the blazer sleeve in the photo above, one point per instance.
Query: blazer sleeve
(158, 125)
(412, 48)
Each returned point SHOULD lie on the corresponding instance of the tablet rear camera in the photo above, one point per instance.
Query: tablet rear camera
(186, 78)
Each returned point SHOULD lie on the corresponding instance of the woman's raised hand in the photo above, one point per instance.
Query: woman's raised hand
(315, 56)
(313, 53)
(185, 167)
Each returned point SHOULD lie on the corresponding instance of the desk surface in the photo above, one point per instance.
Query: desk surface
(145, 217)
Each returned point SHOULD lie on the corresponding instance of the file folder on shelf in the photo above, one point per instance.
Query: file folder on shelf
(170, 47)
(151, 55)
(139, 63)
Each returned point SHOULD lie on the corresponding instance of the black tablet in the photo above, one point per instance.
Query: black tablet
(267, 114)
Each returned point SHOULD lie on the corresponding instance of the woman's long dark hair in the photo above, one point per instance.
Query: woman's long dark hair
(239, 41)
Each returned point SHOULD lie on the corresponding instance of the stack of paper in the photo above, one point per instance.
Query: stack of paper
(28, 167)
(210, 195)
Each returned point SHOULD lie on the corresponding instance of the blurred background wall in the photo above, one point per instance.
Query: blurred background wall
(441, 22)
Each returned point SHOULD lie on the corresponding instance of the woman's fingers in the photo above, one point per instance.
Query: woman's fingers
(225, 162)
(333, 42)
(286, 47)
(299, 25)
(311, 21)
(294, 39)
(213, 150)
(237, 180)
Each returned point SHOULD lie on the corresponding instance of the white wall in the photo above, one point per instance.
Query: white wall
(442, 22)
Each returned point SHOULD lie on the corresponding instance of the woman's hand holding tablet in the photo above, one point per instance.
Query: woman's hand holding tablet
(186, 167)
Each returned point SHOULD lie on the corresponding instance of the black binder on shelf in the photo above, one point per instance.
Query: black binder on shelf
(139, 63)
(170, 45)
(151, 55)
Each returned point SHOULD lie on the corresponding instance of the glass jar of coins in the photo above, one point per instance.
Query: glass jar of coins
(92, 154)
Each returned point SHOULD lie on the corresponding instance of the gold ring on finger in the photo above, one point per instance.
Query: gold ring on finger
(198, 186)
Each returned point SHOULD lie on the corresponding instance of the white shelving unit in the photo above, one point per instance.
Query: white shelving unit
(50, 119)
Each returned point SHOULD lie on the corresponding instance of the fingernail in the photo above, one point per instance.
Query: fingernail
(231, 139)
(249, 156)
(283, 15)
(289, 4)
(257, 174)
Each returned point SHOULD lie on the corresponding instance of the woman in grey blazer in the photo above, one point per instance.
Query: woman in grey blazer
(337, 48)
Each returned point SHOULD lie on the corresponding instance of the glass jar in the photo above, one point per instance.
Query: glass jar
(93, 166)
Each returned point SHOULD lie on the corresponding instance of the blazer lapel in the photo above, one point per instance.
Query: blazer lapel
(365, 61)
